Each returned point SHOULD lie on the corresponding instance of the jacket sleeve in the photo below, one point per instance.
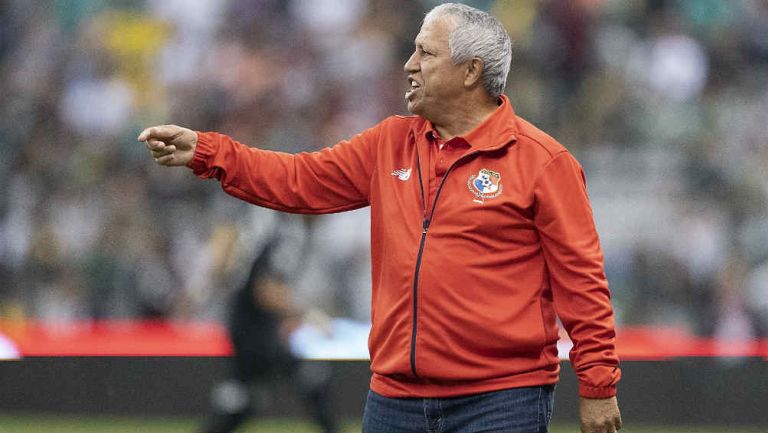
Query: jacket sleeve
(575, 262)
(334, 179)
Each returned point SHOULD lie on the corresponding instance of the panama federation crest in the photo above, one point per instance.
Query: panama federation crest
(484, 185)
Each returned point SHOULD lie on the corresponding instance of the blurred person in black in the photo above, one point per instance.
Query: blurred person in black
(260, 322)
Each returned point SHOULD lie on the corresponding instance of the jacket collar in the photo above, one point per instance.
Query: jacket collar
(495, 132)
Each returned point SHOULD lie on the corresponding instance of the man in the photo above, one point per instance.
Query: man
(481, 234)
(260, 321)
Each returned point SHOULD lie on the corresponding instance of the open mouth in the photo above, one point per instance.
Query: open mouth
(414, 86)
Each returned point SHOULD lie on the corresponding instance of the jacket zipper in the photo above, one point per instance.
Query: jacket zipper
(426, 221)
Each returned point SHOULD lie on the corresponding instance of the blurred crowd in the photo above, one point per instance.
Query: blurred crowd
(665, 103)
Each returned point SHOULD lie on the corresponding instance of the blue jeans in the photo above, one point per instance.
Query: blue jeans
(515, 410)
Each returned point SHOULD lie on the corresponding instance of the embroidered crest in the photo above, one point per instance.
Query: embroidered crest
(484, 185)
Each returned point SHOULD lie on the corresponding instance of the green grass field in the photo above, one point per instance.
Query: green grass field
(44, 423)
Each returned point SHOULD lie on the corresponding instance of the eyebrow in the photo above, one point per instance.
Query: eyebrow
(420, 44)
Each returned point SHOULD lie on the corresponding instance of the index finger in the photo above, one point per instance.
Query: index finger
(145, 134)
(162, 132)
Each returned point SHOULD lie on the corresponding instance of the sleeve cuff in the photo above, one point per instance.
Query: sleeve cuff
(596, 392)
(204, 149)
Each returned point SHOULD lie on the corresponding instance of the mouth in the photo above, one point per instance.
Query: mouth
(413, 88)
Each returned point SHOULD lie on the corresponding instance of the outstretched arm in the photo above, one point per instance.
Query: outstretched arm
(334, 179)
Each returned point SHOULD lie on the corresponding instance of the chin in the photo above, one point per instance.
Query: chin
(413, 107)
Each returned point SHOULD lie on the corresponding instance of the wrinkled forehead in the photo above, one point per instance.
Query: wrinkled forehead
(442, 16)
(436, 29)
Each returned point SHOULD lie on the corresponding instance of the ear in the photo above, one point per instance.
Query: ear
(474, 72)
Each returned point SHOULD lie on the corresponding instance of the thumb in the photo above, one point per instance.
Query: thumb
(162, 132)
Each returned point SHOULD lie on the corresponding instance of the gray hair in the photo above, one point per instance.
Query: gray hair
(478, 34)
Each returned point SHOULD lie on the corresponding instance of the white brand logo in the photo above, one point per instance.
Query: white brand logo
(402, 174)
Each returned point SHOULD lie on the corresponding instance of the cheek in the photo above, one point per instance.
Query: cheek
(438, 80)
(431, 79)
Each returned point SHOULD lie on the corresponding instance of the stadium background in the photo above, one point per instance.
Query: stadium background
(665, 103)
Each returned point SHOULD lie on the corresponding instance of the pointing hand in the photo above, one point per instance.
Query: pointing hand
(170, 145)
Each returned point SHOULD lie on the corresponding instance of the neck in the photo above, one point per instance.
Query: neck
(463, 118)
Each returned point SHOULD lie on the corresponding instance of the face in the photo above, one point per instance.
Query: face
(435, 82)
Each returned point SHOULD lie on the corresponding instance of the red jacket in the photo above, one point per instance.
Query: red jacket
(466, 288)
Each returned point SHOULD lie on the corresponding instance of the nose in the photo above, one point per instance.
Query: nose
(411, 65)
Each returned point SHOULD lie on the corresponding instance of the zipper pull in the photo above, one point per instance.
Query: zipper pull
(424, 225)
